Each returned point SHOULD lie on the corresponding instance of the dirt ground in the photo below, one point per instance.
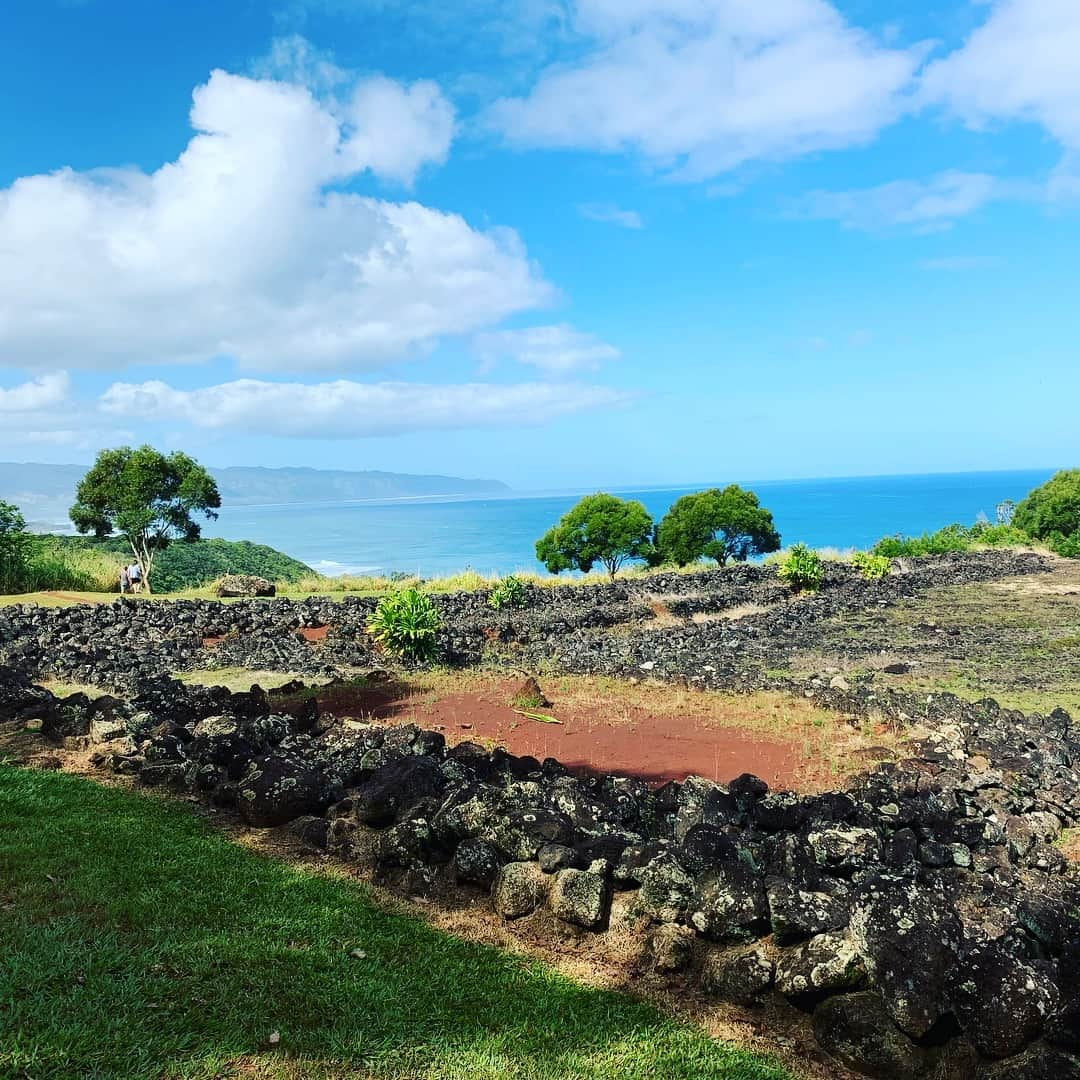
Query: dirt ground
(655, 732)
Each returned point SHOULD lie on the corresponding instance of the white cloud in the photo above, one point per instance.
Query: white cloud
(925, 205)
(351, 410)
(557, 350)
(243, 248)
(45, 392)
(609, 214)
(698, 87)
(292, 58)
(1021, 64)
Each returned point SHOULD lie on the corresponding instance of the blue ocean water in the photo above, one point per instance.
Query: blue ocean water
(496, 535)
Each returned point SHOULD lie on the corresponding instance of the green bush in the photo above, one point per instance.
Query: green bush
(1052, 508)
(508, 593)
(1001, 535)
(802, 569)
(406, 623)
(871, 567)
(951, 538)
(1068, 547)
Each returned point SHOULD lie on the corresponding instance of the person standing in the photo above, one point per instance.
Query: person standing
(125, 580)
(135, 576)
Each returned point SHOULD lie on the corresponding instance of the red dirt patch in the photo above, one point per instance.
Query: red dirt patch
(314, 633)
(212, 642)
(656, 748)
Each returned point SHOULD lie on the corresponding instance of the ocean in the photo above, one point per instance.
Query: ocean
(439, 536)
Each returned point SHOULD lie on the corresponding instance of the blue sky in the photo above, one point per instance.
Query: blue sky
(557, 242)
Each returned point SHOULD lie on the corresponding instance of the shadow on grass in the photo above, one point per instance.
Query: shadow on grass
(137, 942)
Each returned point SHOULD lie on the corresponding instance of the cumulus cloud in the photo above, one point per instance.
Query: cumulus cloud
(557, 350)
(609, 214)
(925, 205)
(699, 87)
(1021, 64)
(352, 410)
(42, 412)
(244, 246)
(46, 392)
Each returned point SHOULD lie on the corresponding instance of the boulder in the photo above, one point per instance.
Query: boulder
(729, 903)
(396, 786)
(1000, 1002)
(798, 913)
(907, 937)
(739, 975)
(276, 789)
(476, 861)
(827, 963)
(858, 1031)
(234, 585)
(581, 897)
(518, 890)
(670, 948)
(666, 891)
(843, 851)
(1038, 1062)
(521, 833)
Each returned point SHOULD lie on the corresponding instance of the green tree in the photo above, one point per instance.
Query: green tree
(719, 524)
(149, 498)
(1052, 508)
(599, 529)
(14, 548)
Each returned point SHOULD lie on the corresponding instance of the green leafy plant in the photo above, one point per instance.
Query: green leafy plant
(406, 623)
(871, 567)
(507, 593)
(599, 529)
(802, 569)
(718, 524)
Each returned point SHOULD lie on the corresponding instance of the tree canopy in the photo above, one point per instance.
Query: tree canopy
(599, 529)
(1053, 508)
(719, 524)
(149, 498)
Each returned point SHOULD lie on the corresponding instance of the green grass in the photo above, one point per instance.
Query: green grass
(139, 942)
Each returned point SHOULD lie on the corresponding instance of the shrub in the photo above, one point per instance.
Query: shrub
(599, 529)
(951, 538)
(406, 623)
(1068, 547)
(871, 567)
(1052, 508)
(1000, 535)
(802, 569)
(718, 524)
(508, 593)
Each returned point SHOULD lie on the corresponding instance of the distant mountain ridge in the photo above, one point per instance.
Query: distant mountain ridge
(45, 492)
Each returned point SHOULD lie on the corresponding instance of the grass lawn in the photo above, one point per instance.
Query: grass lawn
(139, 942)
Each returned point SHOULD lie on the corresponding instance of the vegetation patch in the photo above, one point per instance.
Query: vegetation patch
(120, 961)
(1016, 641)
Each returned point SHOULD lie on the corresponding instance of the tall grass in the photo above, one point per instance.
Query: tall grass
(45, 568)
